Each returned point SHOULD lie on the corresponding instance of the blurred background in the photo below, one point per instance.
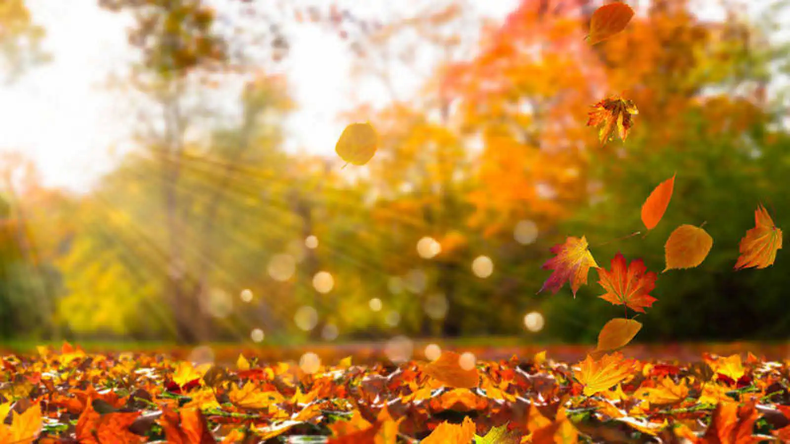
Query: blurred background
(168, 172)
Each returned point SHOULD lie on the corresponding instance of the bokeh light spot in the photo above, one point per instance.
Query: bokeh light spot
(526, 232)
(467, 361)
(201, 355)
(306, 318)
(311, 242)
(432, 352)
(246, 295)
(323, 282)
(436, 306)
(534, 321)
(330, 332)
(257, 335)
(399, 349)
(392, 319)
(282, 267)
(375, 304)
(310, 363)
(428, 247)
(482, 266)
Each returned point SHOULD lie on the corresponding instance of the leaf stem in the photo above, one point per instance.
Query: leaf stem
(635, 233)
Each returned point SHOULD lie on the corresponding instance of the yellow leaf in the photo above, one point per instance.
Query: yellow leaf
(242, 363)
(540, 358)
(447, 433)
(345, 362)
(758, 248)
(731, 366)
(617, 333)
(666, 393)
(358, 143)
(687, 247)
(602, 374)
(447, 370)
(25, 427)
(185, 373)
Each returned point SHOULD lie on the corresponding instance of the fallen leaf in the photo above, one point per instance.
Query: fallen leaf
(447, 370)
(656, 204)
(499, 435)
(447, 433)
(26, 427)
(610, 113)
(250, 397)
(665, 393)
(758, 248)
(731, 366)
(687, 247)
(609, 20)
(629, 285)
(242, 363)
(358, 143)
(732, 424)
(571, 263)
(604, 373)
(95, 428)
(617, 333)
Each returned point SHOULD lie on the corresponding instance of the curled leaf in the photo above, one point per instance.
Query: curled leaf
(656, 204)
(758, 248)
(609, 20)
(687, 247)
(613, 112)
(358, 143)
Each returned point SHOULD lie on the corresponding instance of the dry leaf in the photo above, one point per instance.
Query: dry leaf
(571, 263)
(656, 204)
(610, 113)
(758, 248)
(358, 143)
(604, 373)
(617, 333)
(609, 20)
(629, 285)
(447, 433)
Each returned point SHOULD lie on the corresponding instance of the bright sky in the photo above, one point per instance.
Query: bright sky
(64, 116)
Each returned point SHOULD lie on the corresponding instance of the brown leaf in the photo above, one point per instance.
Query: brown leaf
(609, 20)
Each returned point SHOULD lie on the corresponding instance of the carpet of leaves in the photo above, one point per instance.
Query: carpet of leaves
(71, 396)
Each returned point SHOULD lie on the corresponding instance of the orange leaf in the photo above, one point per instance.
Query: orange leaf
(447, 433)
(95, 428)
(617, 333)
(687, 247)
(609, 20)
(758, 248)
(656, 204)
(447, 370)
(732, 424)
(187, 427)
(357, 144)
(603, 374)
(561, 431)
(365, 436)
(572, 262)
(610, 113)
(666, 393)
(628, 285)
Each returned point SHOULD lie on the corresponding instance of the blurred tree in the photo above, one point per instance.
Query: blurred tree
(20, 39)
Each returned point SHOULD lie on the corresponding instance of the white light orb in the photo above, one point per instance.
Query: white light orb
(306, 318)
(323, 282)
(432, 352)
(482, 266)
(246, 295)
(534, 321)
(257, 335)
(375, 304)
(526, 232)
(310, 363)
(428, 247)
(467, 361)
(311, 242)
(281, 267)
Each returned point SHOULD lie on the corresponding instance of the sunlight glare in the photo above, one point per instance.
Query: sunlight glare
(375, 304)
(310, 363)
(428, 247)
(311, 242)
(246, 295)
(467, 361)
(257, 335)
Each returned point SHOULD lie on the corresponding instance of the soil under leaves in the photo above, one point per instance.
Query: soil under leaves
(72, 396)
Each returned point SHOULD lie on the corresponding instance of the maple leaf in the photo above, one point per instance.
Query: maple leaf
(732, 424)
(358, 143)
(604, 373)
(617, 333)
(609, 20)
(731, 366)
(250, 397)
(572, 262)
(447, 433)
(610, 113)
(656, 204)
(628, 285)
(188, 426)
(665, 393)
(687, 247)
(24, 428)
(447, 370)
(758, 248)
(95, 428)
(560, 431)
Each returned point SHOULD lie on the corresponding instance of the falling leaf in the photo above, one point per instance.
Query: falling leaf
(357, 143)
(572, 262)
(656, 204)
(610, 113)
(499, 435)
(609, 20)
(687, 247)
(617, 333)
(628, 285)
(447, 370)
(732, 424)
(665, 393)
(25, 427)
(758, 248)
(447, 433)
(604, 373)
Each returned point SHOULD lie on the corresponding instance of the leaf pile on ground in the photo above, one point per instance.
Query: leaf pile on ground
(69, 396)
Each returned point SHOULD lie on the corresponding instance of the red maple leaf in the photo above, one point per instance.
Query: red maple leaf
(628, 285)
(571, 264)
